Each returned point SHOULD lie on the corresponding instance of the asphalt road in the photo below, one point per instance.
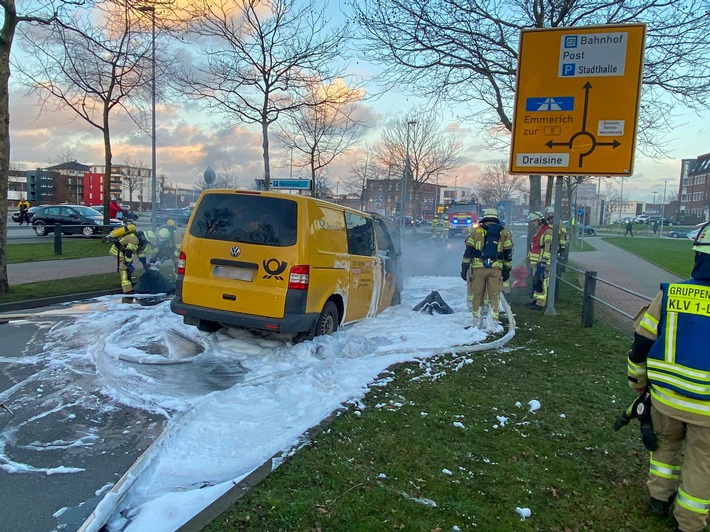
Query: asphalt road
(50, 412)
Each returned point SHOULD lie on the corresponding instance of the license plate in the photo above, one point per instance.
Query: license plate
(231, 272)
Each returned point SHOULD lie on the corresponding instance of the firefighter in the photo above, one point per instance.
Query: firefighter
(489, 250)
(669, 356)
(24, 206)
(445, 224)
(128, 243)
(562, 245)
(434, 227)
(539, 258)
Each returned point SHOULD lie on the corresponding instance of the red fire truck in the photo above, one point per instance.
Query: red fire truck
(462, 214)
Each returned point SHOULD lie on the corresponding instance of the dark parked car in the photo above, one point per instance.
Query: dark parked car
(75, 220)
(588, 230)
(179, 216)
(127, 213)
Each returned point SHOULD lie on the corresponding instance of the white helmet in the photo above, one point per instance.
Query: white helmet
(163, 234)
(701, 243)
(535, 215)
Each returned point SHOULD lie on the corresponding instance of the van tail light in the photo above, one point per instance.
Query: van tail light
(298, 278)
(181, 263)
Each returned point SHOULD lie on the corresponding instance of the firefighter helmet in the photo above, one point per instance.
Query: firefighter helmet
(701, 243)
(490, 215)
(535, 215)
(163, 234)
(170, 224)
(549, 211)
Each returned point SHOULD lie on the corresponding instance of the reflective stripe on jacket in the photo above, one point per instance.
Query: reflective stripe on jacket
(678, 365)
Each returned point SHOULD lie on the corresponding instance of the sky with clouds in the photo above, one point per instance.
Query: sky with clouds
(188, 141)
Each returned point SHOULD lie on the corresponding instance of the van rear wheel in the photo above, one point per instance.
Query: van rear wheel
(328, 320)
(327, 323)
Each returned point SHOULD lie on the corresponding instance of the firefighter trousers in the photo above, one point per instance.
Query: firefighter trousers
(486, 282)
(681, 467)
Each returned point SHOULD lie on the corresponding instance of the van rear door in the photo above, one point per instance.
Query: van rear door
(364, 263)
(239, 250)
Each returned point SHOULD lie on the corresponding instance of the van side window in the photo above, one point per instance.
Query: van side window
(361, 235)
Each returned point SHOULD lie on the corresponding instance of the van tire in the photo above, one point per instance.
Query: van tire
(328, 320)
(208, 326)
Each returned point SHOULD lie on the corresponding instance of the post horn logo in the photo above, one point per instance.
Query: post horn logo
(274, 269)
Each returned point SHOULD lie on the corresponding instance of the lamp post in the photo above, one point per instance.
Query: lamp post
(153, 191)
(663, 205)
(405, 176)
(654, 199)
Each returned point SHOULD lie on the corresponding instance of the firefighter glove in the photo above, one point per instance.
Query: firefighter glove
(464, 270)
(506, 273)
(144, 262)
(130, 267)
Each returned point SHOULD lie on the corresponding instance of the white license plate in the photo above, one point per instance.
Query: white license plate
(231, 272)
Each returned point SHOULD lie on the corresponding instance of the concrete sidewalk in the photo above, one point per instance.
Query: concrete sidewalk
(622, 268)
(51, 270)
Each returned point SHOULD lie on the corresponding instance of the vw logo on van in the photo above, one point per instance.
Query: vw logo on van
(235, 251)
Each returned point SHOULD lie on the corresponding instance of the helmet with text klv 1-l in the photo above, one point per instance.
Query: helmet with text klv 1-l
(701, 243)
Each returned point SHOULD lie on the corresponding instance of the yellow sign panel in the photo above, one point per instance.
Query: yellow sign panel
(577, 100)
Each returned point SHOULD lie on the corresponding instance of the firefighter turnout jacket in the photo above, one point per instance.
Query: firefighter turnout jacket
(540, 245)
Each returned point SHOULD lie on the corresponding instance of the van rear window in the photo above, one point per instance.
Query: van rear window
(246, 219)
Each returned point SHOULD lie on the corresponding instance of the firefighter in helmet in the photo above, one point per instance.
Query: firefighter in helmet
(445, 225)
(165, 248)
(539, 258)
(669, 358)
(562, 245)
(128, 243)
(434, 227)
(487, 259)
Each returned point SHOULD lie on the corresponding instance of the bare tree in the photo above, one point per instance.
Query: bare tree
(467, 53)
(430, 150)
(360, 170)
(132, 176)
(39, 13)
(321, 131)
(92, 69)
(495, 184)
(261, 58)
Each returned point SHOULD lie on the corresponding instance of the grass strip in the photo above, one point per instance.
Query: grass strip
(72, 248)
(674, 255)
(382, 467)
(60, 287)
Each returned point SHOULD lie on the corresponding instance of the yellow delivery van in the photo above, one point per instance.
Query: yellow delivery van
(284, 263)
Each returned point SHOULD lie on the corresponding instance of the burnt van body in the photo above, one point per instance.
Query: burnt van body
(284, 263)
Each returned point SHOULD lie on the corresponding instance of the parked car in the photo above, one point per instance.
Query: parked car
(179, 216)
(30, 212)
(587, 229)
(658, 220)
(677, 233)
(642, 219)
(128, 214)
(75, 219)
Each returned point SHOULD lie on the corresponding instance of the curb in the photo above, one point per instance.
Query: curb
(56, 300)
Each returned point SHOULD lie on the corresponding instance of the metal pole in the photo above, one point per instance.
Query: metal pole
(552, 266)
(153, 187)
(663, 206)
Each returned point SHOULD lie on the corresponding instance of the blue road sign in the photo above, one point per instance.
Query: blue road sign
(293, 184)
(555, 103)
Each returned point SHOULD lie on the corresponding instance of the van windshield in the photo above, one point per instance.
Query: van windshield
(245, 218)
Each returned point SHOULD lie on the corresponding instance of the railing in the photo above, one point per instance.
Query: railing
(588, 292)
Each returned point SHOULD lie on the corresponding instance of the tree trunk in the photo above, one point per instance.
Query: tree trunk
(107, 170)
(8, 32)
(548, 190)
(265, 148)
(535, 193)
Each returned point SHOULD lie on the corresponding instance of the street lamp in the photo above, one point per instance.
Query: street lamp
(405, 176)
(153, 191)
(663, 205)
